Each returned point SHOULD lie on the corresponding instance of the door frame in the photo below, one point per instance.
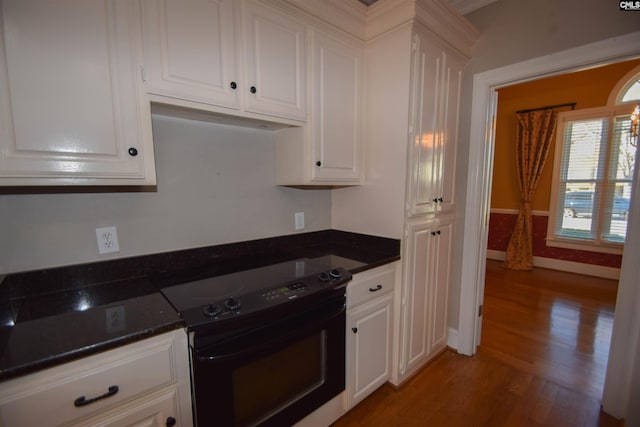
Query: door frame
(480, 168)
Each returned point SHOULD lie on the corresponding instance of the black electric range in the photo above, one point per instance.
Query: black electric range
(251, 295)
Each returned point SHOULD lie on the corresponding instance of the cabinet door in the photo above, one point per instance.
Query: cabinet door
(415, 299)
(190, 50)
(436, 83)
(368, 348)
(426, 295)
(336, 125)
(274, 47)
(70, 105)
(440, 263)
(453, 65)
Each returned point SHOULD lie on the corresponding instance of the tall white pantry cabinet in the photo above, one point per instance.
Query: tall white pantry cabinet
(414, 61)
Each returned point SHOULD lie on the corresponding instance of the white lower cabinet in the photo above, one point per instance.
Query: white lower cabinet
(141, 384)
(369, 332)
(425, 293)
(158, 410)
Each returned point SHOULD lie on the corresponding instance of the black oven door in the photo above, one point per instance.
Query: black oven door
(275, 374)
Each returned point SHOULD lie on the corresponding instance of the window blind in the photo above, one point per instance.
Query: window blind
(595, 178)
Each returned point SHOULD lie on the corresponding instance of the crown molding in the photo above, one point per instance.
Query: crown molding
(448, 24)
(437, 16)
(349, 16)
(367, 22)
(466, 6)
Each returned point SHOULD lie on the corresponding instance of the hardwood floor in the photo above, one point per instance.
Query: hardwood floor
(545, 343)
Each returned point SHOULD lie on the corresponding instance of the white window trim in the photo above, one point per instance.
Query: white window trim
(595, 245)
(582, 245)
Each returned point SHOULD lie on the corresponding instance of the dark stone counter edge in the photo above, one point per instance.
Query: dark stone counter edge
(370, 251)
(80, 353)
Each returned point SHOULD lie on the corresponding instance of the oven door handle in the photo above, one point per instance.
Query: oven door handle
(208, 354)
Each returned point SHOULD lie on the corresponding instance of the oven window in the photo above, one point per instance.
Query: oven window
(267, 385)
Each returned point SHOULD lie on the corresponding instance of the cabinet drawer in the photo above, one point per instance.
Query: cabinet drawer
(370, 284)
(52, 396)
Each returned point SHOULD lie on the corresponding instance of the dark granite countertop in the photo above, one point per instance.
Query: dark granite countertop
(49, 317)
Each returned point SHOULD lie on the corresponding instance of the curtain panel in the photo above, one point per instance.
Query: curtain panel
(536, 130)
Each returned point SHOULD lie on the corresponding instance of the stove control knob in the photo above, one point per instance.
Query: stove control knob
(211, 310)
(335, 274)
(324, 277)
(232, 304)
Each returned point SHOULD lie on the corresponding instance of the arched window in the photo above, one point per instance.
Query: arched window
(630, 92)
(593, 172)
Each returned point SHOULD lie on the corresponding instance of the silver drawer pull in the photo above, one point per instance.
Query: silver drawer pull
(377, 288)
(82, 401)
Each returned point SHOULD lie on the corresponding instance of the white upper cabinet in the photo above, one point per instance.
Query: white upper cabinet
(336, 109)
(328, 151)
(436, 85)
(275, 49)
(195, 51)
(190, 50)
(70, 108)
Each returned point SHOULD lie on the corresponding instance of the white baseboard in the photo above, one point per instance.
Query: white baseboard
(452, 338)
(568, 266)
(496, 255)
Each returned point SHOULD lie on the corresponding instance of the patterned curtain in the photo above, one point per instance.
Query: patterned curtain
(535, 134)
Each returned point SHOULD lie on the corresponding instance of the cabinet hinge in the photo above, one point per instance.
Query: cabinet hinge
(143, 75)
(480, 311)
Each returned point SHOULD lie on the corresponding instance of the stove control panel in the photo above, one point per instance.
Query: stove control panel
(260, 300)
(289, 291)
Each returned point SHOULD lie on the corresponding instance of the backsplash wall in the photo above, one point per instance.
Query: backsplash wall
(216, 184)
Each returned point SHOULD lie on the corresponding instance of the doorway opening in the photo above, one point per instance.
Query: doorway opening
(480, 167)
(552, 323)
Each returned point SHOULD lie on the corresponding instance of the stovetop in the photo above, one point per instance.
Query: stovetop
(238, 295)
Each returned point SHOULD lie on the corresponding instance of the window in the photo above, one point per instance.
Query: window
(593, 173)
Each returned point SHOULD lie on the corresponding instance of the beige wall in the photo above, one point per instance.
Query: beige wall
(215, 185)
(588, 89)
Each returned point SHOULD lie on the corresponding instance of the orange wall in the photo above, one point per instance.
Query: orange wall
(588, 89)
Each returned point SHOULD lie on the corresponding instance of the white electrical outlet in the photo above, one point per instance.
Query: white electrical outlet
(299, 220)
(107, 240)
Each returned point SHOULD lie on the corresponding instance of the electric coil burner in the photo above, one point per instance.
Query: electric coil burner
(267, 344)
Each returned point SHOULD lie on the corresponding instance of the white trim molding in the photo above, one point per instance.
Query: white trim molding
(562, 265)
(452, 338)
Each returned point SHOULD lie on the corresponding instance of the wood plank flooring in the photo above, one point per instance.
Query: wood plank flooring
(542, 361)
